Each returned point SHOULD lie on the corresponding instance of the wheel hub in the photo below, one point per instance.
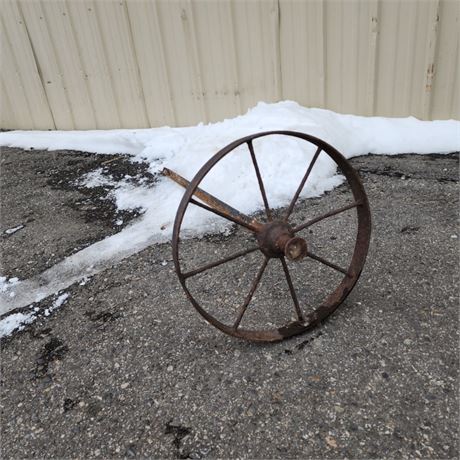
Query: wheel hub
(276, 239)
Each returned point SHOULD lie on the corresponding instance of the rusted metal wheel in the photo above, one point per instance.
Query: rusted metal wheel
(277, 240)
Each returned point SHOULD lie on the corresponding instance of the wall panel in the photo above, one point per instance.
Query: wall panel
(135, 63)
(183, 67)
(256, 32)
(217, 59)
(303, 52)
(94, 60)
(446, 78)
(117, 40)
(22, 82)
(150, 54)
(350, 36)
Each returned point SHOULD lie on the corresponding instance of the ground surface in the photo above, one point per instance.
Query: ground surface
(126, 368)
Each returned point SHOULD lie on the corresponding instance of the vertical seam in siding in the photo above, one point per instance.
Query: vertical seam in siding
(16, 68)
(395, 54)
(138, 70)
(37, 65)
(82, 64)
(260, 28)
(235, 67)
(277, 57)
(59, 67)
(104, 47)
(5, 100)
(199, 66)
(188, 25)
(341, 55)
(409, 84)
(164, 65)
(372, 50)
(248, 96)
(453, 109)
(354, 58)
(323, 54)
(430, 59)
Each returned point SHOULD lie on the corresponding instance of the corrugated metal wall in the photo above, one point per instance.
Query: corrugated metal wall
(82, 64)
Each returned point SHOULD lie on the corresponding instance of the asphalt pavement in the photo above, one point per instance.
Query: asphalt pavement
(127, 367)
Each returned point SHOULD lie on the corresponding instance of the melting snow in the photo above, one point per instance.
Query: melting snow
(17, 321)
(7, 284)
(96, 178)
(56, 304)
(184, 150)
(10, 231)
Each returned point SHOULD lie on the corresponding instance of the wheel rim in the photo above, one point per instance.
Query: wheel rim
(284, 242)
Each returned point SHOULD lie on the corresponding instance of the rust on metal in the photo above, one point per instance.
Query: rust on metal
(276, 239)
(259, 180)
(254, 285)
(218, 206)
(219, 262)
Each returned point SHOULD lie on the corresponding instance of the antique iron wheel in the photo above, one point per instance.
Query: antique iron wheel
(276, 238)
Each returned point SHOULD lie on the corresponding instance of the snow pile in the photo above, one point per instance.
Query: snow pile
(350, 134)
(283, 161)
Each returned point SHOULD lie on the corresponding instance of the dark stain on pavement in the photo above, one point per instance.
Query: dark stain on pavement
(178, 431)
(68, 404)
(53, 350)
(102, 317)
(97, 204)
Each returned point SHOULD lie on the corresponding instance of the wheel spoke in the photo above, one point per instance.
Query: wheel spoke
(302, 184)
(326, 262)
(328, 214)
(240, 219)
(292, 290)
(259, 179)
(219, 262)
(250, 294)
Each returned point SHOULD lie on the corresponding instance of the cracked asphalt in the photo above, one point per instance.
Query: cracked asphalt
(127, 368)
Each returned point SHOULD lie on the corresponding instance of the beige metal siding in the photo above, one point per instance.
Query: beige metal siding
(108, 64)
(445, 84)
(303, 58)
(23, 101)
